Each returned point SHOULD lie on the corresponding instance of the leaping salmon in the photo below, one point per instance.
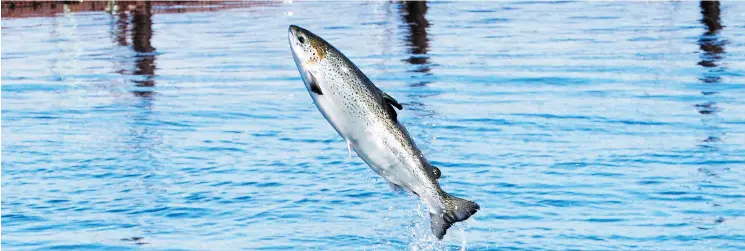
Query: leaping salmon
(366, 118)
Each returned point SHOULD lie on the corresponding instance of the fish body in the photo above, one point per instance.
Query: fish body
(366, 118)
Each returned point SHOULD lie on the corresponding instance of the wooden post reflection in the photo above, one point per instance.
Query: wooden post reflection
(712, 52)
(414, 15)
(709, 43)
(121, 29)
(142, 33)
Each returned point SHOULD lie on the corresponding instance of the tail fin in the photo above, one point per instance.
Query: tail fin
(456, 209)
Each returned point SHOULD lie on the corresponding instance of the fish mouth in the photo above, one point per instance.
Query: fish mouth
(292, 32)
(291, 39)
(291, 35)
(293, 28)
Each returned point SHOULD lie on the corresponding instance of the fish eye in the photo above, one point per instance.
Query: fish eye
(301, 39)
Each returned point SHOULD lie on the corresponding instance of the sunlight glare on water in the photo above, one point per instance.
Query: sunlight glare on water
(574, 125)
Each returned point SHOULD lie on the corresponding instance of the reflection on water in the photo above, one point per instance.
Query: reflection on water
(136, 22)
(712, 52)
(121, 29)
(414, 15)
(140, 17)
(711, 45)
(192, 131)
(142, 32)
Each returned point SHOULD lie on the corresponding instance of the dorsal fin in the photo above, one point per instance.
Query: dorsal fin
(390, 103)
(392, 112)
(391, 100)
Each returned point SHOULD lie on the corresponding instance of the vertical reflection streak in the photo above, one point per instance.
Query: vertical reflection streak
(417, 41)
(142, 32)
(711, 45)
(121, 29)
(712, 52)
(136, 23)
(414, 15)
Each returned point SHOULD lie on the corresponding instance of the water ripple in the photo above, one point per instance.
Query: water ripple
(575, 125)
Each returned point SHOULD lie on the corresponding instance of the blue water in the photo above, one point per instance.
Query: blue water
(582, 126)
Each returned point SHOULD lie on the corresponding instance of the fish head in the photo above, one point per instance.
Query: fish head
(308, 49)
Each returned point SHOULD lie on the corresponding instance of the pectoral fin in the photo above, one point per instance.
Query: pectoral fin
(396, 188)
(349, 150)
(392, 112)
(314, 84)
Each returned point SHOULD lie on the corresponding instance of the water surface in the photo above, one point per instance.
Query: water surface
(593, 126)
